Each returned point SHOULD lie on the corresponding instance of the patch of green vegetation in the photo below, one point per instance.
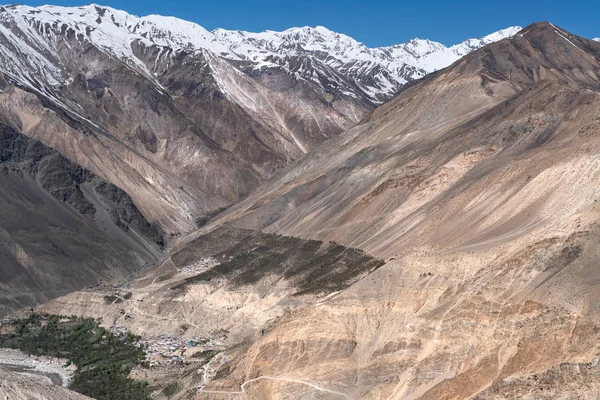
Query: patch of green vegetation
(103, 360)
(312, 266)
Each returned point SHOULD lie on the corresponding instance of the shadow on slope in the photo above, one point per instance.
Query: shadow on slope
(62, 227)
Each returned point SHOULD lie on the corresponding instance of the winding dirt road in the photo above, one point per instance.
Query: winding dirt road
(245, 384)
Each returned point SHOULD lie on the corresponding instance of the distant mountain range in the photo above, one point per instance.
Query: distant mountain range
(179, 105)
(376, 73)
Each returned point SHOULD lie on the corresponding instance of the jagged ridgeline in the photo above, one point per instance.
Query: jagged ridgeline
(158, 126)
(270, 175)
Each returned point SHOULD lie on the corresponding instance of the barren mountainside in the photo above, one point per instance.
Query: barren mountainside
(62, 227)
(192, 119)
(478, 185)
(182, 122)
(364, 186)
(21, 387)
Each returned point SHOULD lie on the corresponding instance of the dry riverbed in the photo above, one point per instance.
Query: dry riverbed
(48, 369)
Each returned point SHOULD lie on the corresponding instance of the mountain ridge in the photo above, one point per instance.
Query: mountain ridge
(389, 67)
(242, 119)
(538, 53)
(478, 186)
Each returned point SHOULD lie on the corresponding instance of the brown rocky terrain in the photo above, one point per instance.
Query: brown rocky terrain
(184, 128)
(57, 222)
(20, 387)
(162, 143)
(191, 119)
(476, 184)
(258, 279)
(440, 137)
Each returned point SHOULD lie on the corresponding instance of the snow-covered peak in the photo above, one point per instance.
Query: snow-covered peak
(379, 71)
(418, 47)
(469, 45)
(318, 34)
(308, 32)
(107, 28)
(597, 39)
(294, 41)
(501, 34)
(114, 31)
(336, 49)
(178, 33)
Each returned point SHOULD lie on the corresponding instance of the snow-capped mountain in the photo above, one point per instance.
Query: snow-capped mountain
(376, 73)
(380, 72)
(163, 109)
(156, 104)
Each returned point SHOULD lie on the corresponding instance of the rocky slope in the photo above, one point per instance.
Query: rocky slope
(154, 120)
(191, 119)
(227, 288)
(62, 227)
(479, 186)
(184, 128)
(384, 177)
(379, 72)
(21, 387)
(375, 73)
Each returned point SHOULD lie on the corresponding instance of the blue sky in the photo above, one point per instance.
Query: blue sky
(375, 22)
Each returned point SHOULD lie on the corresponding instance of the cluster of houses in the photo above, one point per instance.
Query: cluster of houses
(166, 350)
(199, 266)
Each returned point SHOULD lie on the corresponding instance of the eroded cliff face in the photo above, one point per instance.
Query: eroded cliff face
(433, 326)
(62, 227)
